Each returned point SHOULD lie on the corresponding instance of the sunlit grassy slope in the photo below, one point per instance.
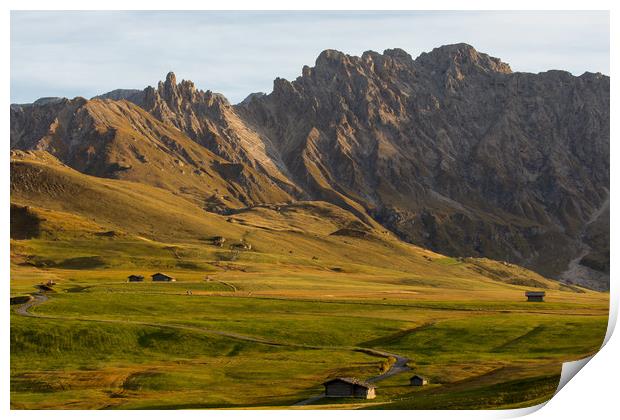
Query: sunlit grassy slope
(264, 327)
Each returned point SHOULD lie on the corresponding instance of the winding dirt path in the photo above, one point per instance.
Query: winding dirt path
(37, 299)
(398, 367)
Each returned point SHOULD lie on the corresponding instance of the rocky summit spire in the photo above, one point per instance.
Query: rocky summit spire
(169, 89)
(171, 79)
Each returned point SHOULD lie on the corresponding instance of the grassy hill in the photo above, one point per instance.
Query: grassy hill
(297, 293)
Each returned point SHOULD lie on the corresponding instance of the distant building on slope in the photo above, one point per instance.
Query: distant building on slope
(417, 380)
(535, 296)
(134, 278)
(162, 277)
(349, 387)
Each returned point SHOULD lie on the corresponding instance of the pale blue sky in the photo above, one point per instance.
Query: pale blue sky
(236, 53)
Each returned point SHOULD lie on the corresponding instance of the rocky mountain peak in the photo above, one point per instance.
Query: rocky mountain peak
(171, 79)
(169, 89)
(251, 97)
(118, 94)
(398, 53)
(462, 59)
(184, 93)
(330, 57)
(346, 73)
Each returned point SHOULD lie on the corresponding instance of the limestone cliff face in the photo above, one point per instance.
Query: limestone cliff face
(452, 150)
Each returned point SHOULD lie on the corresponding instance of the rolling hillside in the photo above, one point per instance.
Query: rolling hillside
(277, 297)
(68, 205)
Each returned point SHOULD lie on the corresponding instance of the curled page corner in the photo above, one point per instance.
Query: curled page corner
(613, 315)
(569, 370)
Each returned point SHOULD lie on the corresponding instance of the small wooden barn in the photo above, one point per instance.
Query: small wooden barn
(349, 387)
(162, 277)
(417, 380)
(134, 278)
(535, 296)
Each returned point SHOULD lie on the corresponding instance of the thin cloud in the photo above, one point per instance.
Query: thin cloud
(236, 53)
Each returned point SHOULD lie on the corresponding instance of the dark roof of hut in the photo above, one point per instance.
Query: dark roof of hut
(353, 381)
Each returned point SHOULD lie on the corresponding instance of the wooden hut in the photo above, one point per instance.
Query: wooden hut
(349, 387)
(535, 296)
(162, 277)
(417, 380)
(135, 278)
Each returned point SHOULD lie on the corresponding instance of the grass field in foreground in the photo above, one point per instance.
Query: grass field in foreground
(264, 328)
(105, 343)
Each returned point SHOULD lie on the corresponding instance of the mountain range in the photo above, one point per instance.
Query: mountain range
(451, 151)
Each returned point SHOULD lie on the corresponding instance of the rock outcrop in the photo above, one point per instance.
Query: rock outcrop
(210, 120)
(118, 139)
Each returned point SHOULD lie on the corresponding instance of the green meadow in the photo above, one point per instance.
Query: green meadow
(265, 327)
(254, 339)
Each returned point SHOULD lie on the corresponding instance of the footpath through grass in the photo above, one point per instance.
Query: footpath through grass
(73, 359)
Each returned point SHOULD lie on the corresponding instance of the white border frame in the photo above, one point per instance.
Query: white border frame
(592, 394)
